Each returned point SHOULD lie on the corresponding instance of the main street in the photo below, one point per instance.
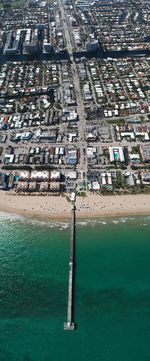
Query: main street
(82, 166)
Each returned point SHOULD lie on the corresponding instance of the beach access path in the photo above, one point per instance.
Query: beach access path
(58, 207)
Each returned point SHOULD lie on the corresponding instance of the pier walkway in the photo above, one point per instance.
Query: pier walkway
(70, 325)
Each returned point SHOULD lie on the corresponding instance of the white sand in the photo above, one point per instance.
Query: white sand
(50, 207)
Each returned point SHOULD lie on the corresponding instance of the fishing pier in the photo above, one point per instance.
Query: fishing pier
(70, 325)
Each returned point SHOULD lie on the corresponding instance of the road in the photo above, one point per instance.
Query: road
(82, 166)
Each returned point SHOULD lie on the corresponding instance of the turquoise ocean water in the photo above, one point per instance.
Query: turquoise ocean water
(112, 294)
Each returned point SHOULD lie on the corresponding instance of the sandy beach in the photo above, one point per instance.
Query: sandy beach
(50, 207)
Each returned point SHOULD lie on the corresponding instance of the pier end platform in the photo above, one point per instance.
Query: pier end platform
(69, 326)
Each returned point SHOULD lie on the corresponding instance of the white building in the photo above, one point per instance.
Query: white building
(116, 154)
(55, 175)
(39, 175)
(91, 45)
(71, 175)
(24, 175)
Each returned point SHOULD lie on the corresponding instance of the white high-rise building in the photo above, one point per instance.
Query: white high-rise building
(91, 45)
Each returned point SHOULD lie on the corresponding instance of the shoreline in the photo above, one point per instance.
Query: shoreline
(58, 208)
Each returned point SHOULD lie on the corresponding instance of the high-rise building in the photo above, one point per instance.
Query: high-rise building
(91, 45)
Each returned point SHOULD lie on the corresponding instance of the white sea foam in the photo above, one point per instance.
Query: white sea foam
(92, 222)
(82, 223)
(10, 217)
(146, 218)
(50, 224)
(65, 226)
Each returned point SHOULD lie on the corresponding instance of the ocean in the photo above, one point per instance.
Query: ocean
(112, 290)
